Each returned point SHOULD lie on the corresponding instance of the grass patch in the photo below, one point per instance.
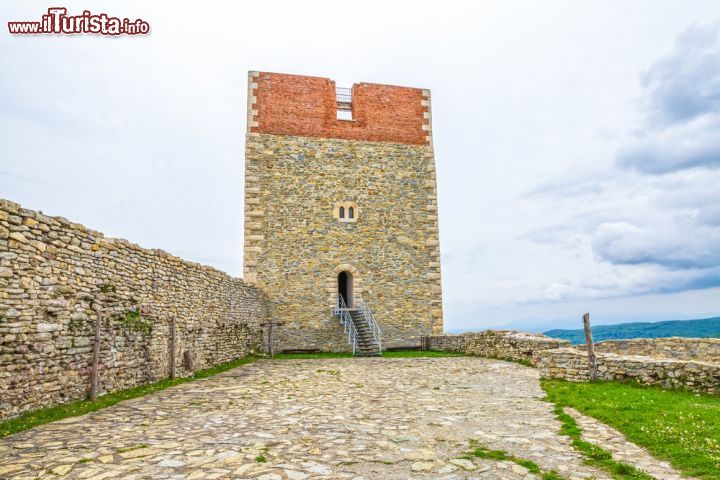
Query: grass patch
(130, 449)
(596, 455)
(260, 459)
(419, 353)
(520, 361)
(81, 407)
(134, 321)
(678, 426)
(392, 354)
(296, 356)
(500, 455)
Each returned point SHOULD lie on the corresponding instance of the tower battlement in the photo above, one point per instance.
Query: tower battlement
(284, 104)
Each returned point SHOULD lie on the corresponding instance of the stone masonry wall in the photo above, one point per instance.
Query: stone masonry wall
(508, 344)
(295, 247)
(571, 364)
(701, 349)
(301, 165)
(502, 344)
(445, 343)
(55, 275)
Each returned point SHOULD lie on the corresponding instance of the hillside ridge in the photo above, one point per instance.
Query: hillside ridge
(700, 328)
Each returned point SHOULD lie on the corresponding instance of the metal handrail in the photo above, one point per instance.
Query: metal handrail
(343, 95)
(370, 319)
(341, 310)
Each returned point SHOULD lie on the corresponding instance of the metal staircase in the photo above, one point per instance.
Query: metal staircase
(361, 328)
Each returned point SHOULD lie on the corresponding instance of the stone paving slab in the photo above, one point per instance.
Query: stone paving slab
(350, 418)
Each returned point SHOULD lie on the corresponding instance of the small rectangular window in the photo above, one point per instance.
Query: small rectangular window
(343, 97)
(344, 115)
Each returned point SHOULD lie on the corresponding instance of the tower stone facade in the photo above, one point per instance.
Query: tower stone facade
(341, 199)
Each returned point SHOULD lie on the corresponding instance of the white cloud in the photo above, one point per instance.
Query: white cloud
(685, 82)
(677, 245)
(693, 143)
(658, 227)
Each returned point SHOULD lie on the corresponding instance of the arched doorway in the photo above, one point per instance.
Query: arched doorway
(345, 287)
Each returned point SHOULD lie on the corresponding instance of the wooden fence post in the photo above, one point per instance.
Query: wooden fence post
(270, 339)
(95, 360)
(172, 347)
(592, 360)
(271, 324)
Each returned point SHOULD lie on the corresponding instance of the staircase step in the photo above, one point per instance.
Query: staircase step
(367, 345)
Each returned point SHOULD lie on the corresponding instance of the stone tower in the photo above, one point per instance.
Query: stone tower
(340, 199)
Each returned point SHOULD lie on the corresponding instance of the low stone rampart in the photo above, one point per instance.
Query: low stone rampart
(501, 344)
(700, 349)
(444, 343)
(57, 277)
(572, 364)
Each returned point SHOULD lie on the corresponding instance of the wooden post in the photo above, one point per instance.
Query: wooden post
(270, 339)
(271, 329)
(592, 360)
(95, 360)
(172, 347)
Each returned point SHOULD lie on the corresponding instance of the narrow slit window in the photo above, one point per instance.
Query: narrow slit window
(342, 212)
(351, 212)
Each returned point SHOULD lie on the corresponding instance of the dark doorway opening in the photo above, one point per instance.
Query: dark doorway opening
(345, 288)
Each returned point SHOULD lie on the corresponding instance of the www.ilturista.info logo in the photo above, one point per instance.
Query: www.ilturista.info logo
(57, 21)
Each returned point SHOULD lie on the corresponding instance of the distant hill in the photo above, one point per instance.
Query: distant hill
(706, 327)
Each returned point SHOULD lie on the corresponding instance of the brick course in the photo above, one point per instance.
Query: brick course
(306, 106)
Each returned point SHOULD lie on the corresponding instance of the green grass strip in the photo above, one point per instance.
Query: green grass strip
(595, 455)
(520, 361)
(386, 354)
(81, 407)
(679, 426)
(500, 455)
(419, 354)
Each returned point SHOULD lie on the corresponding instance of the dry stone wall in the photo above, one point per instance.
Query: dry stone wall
(701, 349)
(690, 363)
(55, 278)
(444, 343)
(572, 364)
(503, 344)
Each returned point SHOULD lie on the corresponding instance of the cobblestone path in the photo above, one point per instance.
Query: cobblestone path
(365, 418)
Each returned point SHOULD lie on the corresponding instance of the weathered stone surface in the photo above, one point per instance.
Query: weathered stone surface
(376, 419)
(502, 344)
(700, 349)
(53, 282)
(297, 248)
(445, 343)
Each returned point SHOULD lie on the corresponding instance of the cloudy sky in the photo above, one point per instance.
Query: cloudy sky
(577, 143)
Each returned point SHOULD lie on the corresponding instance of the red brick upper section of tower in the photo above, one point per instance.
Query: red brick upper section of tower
(283, 104)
